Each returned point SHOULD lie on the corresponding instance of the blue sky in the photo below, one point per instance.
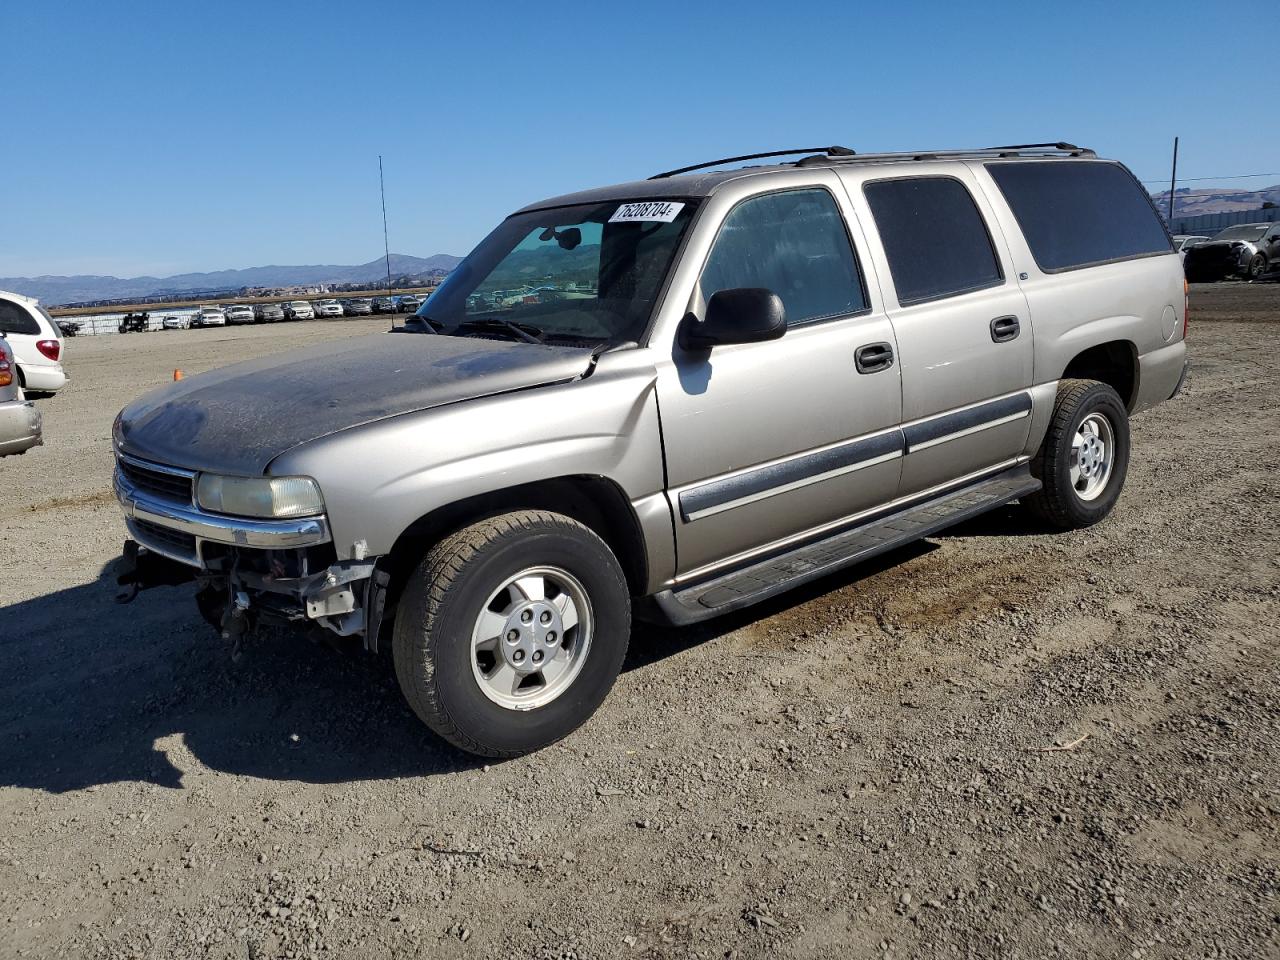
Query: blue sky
(157, 138)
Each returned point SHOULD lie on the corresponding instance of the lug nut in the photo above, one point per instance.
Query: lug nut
(537, 656)
(518, 656)
(526, 616)
(513, 636)
(546, 616)
(551, 637)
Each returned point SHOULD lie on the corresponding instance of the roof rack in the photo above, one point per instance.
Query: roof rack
(1015, 150)
(825, 151)
(823, 155)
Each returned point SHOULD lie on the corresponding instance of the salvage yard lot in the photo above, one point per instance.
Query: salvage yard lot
(999, 742)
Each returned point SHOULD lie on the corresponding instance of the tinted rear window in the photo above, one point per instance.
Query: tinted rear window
(935, 238)
(1075, 213)
(15, 319)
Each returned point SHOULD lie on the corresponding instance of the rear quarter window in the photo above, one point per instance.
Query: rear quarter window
(14, 318)
(1079, 213)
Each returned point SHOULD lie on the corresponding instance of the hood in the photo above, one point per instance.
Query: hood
(238, 419)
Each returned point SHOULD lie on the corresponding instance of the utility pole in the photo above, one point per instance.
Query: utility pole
(1173, 182)
(386, 246)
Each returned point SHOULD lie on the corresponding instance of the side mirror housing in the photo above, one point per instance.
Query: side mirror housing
(742, 315)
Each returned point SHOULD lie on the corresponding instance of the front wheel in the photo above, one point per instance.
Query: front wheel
(1257, 266)
(511, 632)
(1084, 458)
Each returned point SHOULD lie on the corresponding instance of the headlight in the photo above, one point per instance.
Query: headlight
(269, 497)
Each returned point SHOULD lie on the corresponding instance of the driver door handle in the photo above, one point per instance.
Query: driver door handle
(873, 357)
(1004, 329)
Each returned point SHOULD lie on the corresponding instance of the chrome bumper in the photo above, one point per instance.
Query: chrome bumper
(188, 521)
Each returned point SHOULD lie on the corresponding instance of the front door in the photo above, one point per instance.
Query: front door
(962, 325)
(767, 441)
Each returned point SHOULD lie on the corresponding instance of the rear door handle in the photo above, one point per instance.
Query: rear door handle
(1004, 329)
(873, 358)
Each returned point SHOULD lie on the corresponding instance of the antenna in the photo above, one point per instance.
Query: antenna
(386, 246)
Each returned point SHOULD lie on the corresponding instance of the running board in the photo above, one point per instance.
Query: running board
(781, 572)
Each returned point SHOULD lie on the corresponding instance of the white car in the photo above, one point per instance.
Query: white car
(1181, 243)
(175, 323)
(329, 308)
(240, 313)
(209, 316)
(299, 310)
(35, 340)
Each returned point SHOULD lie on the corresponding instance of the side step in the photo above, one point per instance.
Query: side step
(781, 572)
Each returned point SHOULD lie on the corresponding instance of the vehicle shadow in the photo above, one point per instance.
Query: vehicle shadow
(93, 692)
(89, 686)
(1011, 520)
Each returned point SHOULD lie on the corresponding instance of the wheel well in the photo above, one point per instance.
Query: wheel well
(595, 502)
(1114, 363)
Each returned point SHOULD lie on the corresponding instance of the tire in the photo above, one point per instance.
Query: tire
(1082, 406)
(451, 682)
(1257, 268)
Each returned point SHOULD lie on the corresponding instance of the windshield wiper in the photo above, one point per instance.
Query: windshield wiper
(523, 331)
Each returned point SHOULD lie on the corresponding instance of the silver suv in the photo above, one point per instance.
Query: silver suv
(674, 397)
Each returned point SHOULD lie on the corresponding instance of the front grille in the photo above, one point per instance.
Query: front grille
(154, 535)
(167, 486)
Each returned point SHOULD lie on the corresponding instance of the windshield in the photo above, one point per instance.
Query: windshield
(1253, 231)
(584, 273)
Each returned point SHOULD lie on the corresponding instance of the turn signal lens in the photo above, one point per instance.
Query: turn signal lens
(266, 497)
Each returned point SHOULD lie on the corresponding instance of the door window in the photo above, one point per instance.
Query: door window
(935, 238)
(795, 244)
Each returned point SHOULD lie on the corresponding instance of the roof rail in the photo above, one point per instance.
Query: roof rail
(825, 151)
(823, 155)
(1016, 150)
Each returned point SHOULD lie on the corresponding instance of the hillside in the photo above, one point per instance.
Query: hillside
(53, 290)
(1193, 202)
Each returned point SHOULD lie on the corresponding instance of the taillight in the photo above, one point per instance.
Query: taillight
(6, 369)
(1186, 307)
(50, 348)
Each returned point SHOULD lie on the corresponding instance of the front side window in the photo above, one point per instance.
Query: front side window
(1076, 213)
(15, 319)
(934, 237)
(795, 244)
(583, 274)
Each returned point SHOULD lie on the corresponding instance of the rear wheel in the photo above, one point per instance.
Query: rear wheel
(511, 632)
(1084, 458)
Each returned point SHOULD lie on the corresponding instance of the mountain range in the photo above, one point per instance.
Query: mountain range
(1192, 203)
(52, 291)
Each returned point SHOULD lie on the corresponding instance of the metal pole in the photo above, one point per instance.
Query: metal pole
(386, 246)
(1173, 183)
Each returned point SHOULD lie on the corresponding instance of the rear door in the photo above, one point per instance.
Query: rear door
(961, 322)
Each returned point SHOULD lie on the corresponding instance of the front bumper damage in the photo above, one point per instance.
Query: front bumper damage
(247, 570)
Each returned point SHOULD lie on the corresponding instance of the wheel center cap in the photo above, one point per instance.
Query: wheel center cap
(532, 635)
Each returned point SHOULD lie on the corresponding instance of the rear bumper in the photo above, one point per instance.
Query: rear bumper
(43, 377)
(21, 427)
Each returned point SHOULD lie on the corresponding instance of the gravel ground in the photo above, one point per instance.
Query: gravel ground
(997, 743)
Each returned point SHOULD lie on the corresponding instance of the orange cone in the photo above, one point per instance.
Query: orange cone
(177, 375)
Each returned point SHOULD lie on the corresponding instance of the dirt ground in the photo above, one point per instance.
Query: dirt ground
(996, 743)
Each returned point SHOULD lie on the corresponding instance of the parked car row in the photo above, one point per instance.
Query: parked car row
(211, 315)
(1249, 251)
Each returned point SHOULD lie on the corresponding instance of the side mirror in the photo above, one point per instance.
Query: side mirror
(744, 315)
